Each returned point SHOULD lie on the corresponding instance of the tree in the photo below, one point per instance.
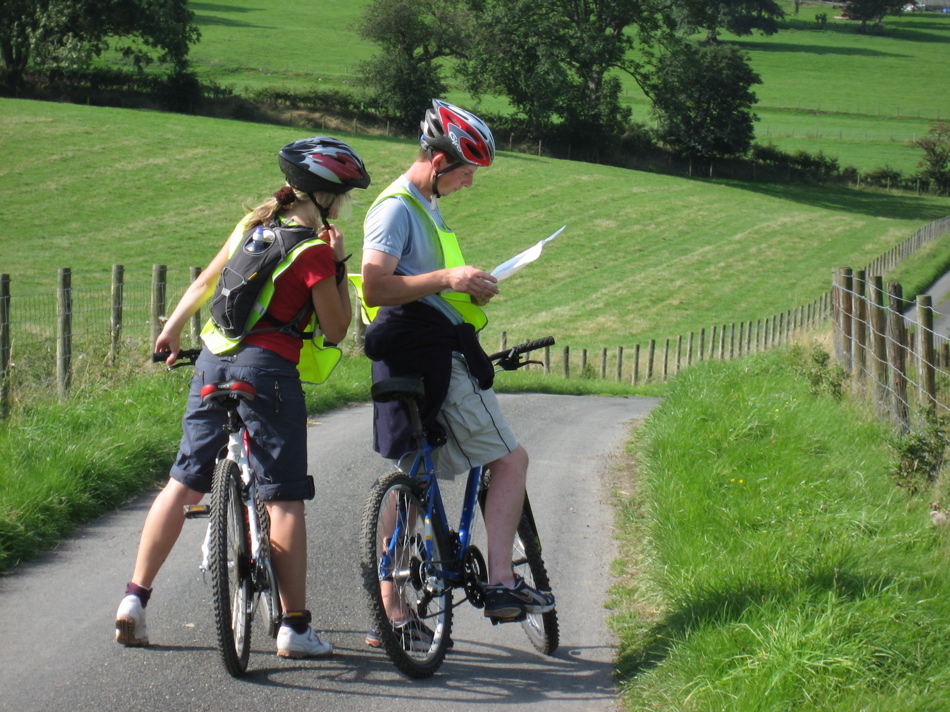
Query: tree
(740, 17)
(936, 160)
(702, 99)
(556, 62)
(69, 34)
(413, 36)
(871, 10)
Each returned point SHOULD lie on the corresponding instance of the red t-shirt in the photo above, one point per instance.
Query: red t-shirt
(291, 292)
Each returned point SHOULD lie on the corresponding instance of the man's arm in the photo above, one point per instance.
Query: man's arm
(382, 287)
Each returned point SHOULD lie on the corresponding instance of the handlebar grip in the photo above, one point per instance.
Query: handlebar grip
(533, 345)
(524, 348)
(185, 356)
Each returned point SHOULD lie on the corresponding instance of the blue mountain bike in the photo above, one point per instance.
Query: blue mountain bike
(413, 562)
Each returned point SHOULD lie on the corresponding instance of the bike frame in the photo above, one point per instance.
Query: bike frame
(423, 470)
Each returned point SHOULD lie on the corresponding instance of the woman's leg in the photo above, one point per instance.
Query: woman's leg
(288, 539)
(161, 530)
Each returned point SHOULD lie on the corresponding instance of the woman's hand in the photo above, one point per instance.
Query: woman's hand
(335, 239)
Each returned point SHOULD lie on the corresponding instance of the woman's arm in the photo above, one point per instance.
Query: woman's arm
(195, 296)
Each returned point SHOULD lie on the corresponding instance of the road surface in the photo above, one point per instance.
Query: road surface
(56, 615)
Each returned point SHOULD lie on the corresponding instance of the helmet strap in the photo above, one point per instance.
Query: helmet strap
(324, 212)
(439, 174)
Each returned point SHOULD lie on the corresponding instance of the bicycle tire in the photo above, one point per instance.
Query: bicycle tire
(231, 576)
(542, 629)
(266, 582)
(407, 583)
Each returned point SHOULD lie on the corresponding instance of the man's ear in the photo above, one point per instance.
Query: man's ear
(440, 161)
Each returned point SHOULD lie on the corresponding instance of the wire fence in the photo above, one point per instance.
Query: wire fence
(52, 341)
(890, 346)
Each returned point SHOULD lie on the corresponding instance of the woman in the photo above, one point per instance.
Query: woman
(320, 173)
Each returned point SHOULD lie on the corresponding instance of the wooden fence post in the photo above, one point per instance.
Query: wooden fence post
(689, 350)
(159, 274)
(847, 317)
(115, 317)
(925, 352)
(603, 363)
(666, 361)
(619, 363)
(896, 340)
(879, 370)
(583, 361)
(547, 359)
(860, 330)
(700, 352)
(650, 356)
(567, 362)
(4, 344)
(64, 330)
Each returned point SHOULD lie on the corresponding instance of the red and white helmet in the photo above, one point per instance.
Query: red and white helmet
(457, 132)
(322, 164)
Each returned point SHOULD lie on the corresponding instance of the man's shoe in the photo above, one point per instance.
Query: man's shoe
(130, 623)
(291, 644)
(504, 602)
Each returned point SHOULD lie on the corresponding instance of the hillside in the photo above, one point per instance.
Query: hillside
(643, 256)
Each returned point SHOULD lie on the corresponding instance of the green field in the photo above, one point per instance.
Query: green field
(644, 256)
(860, 98)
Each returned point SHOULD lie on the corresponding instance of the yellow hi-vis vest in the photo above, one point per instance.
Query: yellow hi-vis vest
(451, 257)
(316, 360)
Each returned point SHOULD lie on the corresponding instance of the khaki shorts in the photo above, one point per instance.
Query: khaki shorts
(477, 433)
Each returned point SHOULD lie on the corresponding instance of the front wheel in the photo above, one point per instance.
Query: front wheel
(410, 605)
(542, 628)
(231, 575)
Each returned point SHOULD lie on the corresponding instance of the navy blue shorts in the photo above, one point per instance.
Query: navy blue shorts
(276, 421)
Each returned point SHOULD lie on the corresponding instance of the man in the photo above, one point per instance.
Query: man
(430, 312)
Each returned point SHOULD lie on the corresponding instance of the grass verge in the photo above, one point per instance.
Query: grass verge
(769, 562)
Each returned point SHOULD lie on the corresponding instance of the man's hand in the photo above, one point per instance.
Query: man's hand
(472, 281)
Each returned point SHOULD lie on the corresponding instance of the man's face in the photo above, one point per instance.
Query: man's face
(457, 179)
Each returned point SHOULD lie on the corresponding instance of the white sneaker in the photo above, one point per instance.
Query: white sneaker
(130, 623)
(291, 644)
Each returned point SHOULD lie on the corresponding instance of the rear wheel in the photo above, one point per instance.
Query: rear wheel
(410, 606)
(231, 574)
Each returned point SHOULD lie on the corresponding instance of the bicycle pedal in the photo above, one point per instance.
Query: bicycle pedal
(495, 620)
(197, 511)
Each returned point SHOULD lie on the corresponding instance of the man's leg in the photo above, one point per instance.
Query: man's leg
(503, 512)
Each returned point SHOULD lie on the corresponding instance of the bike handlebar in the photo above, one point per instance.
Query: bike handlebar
(510, 358)
(186, 357)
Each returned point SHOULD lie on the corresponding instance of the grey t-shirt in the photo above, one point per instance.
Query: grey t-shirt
(396, 228)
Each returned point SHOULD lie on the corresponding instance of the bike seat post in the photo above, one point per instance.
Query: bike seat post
(418, 431)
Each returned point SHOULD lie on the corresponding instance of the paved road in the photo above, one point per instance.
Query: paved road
(56, 615)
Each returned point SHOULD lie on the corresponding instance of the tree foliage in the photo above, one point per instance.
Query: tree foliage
(871, 10)
(69, 34)
(413, 36)
(740, 17)
(936, 160)
(556, 62)
(702, 99)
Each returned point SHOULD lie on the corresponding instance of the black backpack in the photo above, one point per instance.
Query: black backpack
(248, 269)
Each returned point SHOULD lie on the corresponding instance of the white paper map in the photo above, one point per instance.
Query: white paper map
(508, 268)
